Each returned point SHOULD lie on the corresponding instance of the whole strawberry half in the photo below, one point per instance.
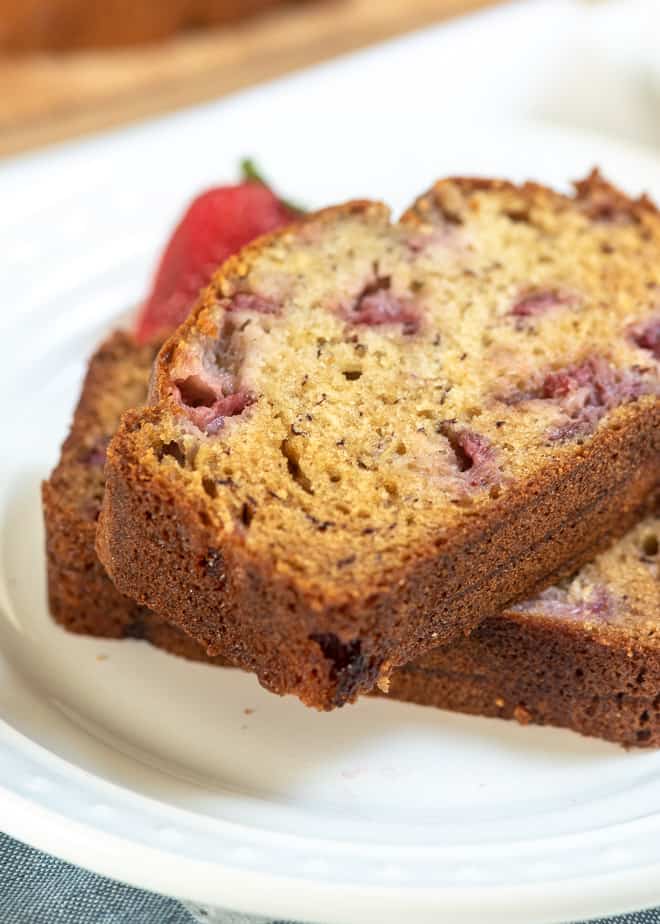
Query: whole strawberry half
(216, 225)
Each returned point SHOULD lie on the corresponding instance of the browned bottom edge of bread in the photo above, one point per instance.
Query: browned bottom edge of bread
(542, 676)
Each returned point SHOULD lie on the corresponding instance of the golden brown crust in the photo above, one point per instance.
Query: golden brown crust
(160, 545)
(82, 598)
(599, 197)
(543, 674)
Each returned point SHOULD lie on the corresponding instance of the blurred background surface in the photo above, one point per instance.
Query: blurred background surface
(72, 67)
(68, 67)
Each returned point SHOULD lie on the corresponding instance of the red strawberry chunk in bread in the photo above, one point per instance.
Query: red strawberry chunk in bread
(250, 301)
(95, 454)
(568, 602)
(584, 393)
(533, 303)
(208, 385)
(211, 417)
(479, 458)
(377, 304)
(647, 336)
(475, 457)
(594, 374)
(383, 307)
(209, 393)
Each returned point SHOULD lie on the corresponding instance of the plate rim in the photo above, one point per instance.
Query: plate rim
(272, 895)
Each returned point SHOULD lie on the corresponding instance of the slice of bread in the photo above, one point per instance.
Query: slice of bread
(370, 436)
(599, 669)
(81, 596)
(583, 655)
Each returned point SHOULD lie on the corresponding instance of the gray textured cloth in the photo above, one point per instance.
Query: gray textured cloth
(38, 889)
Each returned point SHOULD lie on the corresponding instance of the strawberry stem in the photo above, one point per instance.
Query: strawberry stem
(251, 173)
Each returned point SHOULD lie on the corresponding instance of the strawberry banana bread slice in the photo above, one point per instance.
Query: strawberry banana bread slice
(370, 436)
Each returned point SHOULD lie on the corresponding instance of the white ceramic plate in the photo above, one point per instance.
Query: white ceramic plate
(190, 779)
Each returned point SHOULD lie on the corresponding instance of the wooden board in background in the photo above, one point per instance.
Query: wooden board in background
(47, 98)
